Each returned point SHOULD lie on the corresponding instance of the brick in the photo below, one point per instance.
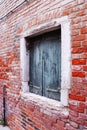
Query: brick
(31, 107)
(75, 97)
(30, 127)
(85, 68)
(77, 109)
(20, 31)
(84, 30)
(78, 37)
(73, 113)
(78, 62)
(75, 32)
(60, 123)
(76, 21)
(76, 91)
(78, 74)
(85, 125)
(80, 121)
(83, 116)
(84, 92)
(84, 43)
(85, 49)
(76, 44)
(77, 50)
(69, 127)
(76, 26)
(81, 13)
(73, 124)
(85, 5)
(85, 56)
(67, 12)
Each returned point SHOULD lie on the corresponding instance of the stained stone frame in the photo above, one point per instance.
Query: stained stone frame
(64, 23)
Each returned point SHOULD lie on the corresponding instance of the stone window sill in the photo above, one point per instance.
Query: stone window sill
(47, 106)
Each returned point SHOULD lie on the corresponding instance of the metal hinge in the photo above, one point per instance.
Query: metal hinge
(53, 90)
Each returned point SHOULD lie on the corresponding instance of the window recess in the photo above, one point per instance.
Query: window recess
(45, 64)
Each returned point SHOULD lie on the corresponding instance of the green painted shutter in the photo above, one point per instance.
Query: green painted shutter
(36, 67)
(45, 65)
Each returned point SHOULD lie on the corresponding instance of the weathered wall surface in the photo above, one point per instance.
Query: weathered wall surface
(29, 114)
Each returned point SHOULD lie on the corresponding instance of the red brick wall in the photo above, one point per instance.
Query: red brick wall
(23, 114)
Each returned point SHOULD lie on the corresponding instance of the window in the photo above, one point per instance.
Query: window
(45, 64)
(37, 43)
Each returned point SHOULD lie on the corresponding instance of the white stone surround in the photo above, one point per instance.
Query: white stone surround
(65, 54)
(4, 128)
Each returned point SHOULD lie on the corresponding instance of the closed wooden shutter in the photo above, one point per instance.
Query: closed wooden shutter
(45, 65)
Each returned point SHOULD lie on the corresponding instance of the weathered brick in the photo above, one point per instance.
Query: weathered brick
(78, 74)
(81, 13)
(84, 43)
(76, 91)
(76, 44)
(69, 127)
(79, 62)
(75, 97)
(67, 12)
(77, 50)
(84, 30)
(85, 56)
(78, 37)
(60, 123)
(85, 68)
(73, 113)
(73, 124)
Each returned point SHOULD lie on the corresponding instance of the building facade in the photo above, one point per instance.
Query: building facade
(43, 64)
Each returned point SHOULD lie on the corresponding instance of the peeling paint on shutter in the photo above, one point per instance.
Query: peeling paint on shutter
(45, 65)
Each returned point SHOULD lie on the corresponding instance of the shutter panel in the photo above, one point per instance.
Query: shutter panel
(36, 67)
(51, 66)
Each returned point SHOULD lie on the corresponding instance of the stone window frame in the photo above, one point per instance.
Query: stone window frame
(1, 1)
(65, 55)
